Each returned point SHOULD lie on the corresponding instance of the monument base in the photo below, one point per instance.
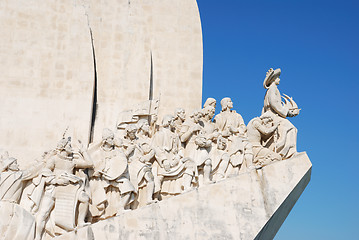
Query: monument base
(252, 205)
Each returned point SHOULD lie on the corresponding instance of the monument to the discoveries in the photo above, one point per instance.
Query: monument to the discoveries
(103, 136)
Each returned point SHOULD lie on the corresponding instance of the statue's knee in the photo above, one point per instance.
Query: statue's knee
(208, 162)
(149, 176)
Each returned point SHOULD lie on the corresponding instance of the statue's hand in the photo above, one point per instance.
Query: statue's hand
(166, 166)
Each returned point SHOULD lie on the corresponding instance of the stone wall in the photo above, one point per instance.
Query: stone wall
(77, 64)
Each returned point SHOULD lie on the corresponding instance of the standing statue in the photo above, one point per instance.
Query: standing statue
(217, 151)
(11, 180)
(139, 159)
(173, 170)
(197, 145)
(258, 129)
(112, 191)
(231, 126)
(284, 141)
(64, 195)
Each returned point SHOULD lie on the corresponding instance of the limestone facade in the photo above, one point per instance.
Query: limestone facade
(78, 64)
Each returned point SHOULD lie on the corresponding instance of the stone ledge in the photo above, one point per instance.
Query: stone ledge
(252, 205)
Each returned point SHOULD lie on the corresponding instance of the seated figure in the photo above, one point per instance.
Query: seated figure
(220, 158)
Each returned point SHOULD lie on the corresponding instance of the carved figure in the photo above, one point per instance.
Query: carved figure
(64, 193)
(172, 165)
(220, 158)
(139, 155)
(231, 126)
(153, 124)
(11, 180)
(112, 191)
(210, 102)
(259, 128)
(197, 145)
(179, 118)
(285, 142)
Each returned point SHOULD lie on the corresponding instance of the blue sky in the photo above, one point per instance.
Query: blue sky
(316, 44)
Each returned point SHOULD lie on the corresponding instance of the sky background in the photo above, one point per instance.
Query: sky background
(316, 44)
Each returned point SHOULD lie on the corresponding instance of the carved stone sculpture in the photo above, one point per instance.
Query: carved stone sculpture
(173, 170)
(197, 145)
(285, 141)
(64, 195)
(11, 181)
(111, 189)
(140, 154)
(231, 126)
(220, 158)
(210, 102)
(257, 130)
(179, 118)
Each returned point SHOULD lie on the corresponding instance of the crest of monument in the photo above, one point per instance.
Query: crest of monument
(145, 167)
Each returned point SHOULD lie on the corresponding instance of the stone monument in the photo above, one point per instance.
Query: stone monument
(89, 148)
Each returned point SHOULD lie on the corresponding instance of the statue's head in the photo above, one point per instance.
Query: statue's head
(180, 113)
(196, 115)
(154, 119)
(11, 164)
(221, 143)
(167, 121)
(108, 137)
(272, 76)
(209, 111)
(266, 117)
(64, 145)
(210, 102)
(142, 125)
(131, 131)
(226, 103)
(3, 154)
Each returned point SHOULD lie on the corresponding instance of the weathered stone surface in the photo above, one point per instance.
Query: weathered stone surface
(15, 222)
(58, 58)
(46, 75)
(252, 205)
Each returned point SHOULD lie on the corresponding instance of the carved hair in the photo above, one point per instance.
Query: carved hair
(210, 102)
(178, 110)
(107, 133)
(208, 109)
(130, 128)
(224, 103)
(266, 115)
(195, 113)
(166, 120)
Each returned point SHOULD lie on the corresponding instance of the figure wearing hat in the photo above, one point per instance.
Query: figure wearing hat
(284, 140)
